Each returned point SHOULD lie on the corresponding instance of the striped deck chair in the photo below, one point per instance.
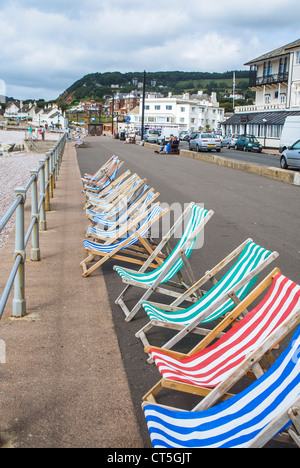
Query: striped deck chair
(216, 302)
(113, 225)
(121, 195)
(101, 170)
(95, 186)
(101, 203)
(219, 365)
(96, 197)
(178, 260)
(251, 418)
(132, 249)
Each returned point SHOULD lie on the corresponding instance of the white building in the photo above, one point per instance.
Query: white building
(188, 112)
(275, 78)
(52, 117)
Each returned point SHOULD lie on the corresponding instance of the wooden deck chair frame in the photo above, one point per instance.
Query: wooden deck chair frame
(193, 326)
(150, 289)
(132, 254)
(269, 407)
(220, 392)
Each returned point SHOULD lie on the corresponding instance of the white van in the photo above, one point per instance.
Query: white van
(167, 132)
(290, 132)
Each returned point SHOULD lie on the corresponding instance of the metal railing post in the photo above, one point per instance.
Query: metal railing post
(56, 161)
(47, 159)
(19, 301)
(51, 186)
(35, 243)
(43, 222)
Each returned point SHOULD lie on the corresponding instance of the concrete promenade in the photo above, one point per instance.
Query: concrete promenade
(63, 384)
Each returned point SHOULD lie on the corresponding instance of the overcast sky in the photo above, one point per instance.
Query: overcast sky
(47, 45)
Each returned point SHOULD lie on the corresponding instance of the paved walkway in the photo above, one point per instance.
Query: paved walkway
(63, 384)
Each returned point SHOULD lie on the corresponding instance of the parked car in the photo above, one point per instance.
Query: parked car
(248, 143)
(152, 136)
(205, 141)
(182, 134)
(191, 136)
(229, 140)
(291, 156)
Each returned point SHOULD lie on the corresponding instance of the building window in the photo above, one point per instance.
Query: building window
(182, 109)
(282, 98)
(168, 107)
(298, 57)
(267, 99)
(147, 107)
(157, 107)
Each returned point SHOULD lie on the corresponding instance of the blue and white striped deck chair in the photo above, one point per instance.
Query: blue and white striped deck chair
(125, 249)
(113, 225)
(196, 218)
(102, 204)
(217, 301)
(128, 225)
(119, 199)
(119, 216)
(249, 419)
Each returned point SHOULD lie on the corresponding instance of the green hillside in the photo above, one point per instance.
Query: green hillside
(97, 85)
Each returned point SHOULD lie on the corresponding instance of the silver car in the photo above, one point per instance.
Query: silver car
(291, 156)
(230, 140)
(205, 142)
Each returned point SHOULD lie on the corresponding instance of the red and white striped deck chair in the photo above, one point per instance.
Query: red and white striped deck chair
(218, 366)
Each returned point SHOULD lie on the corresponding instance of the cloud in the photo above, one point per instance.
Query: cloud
(46, 46)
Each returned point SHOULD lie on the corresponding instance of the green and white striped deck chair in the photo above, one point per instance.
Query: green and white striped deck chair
(216, 302)
(177, 260)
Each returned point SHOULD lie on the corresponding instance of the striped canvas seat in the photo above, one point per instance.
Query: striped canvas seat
(198, 214)
(214, 364)
(250, 258)
(239, 421)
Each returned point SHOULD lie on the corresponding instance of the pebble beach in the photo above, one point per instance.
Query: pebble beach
(14, 172)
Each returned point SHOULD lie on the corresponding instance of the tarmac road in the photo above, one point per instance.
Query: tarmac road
(245, 206)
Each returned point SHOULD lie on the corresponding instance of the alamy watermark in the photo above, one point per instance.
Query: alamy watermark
(157, 230)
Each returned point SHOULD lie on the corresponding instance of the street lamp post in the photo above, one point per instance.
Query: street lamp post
(143, 105)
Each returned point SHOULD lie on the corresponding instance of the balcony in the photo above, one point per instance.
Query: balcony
(255, 80)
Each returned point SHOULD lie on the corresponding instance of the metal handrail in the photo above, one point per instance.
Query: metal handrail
(46, 174)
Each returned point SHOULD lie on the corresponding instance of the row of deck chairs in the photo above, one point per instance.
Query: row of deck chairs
(237, 322)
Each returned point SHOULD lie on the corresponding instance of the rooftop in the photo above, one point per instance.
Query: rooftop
(284, 50)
